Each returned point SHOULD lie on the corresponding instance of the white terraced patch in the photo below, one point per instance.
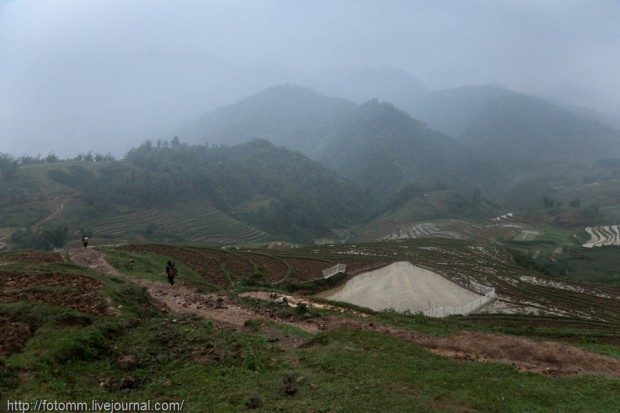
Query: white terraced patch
(503, 217)
(563, 286)
(603, 235)
(424, 230)
(402, 286)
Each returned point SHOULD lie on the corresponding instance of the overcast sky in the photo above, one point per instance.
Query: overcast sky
(77, 75)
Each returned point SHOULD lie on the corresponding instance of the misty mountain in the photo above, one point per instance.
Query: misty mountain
(453, 110)
(286, 115)
(526, 132)
(375, 145)
(383, 148)
(361, 84)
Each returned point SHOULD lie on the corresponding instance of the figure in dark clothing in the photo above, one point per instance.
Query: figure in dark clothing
(171, 272)
(85, 242)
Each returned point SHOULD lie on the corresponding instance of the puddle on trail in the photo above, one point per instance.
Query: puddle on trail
(401, 286)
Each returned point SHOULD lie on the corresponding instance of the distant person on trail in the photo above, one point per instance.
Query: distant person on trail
(85, 242)
(171, 272)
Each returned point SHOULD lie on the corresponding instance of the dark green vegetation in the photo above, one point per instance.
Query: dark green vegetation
(383, 149)
(594, 265)
(76, 334)
(224, 194)
(45, 239)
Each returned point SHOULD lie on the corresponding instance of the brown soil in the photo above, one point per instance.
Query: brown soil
(357, 267)
(306, 270)
(63, 290)
(182, 300)
(274, 269)
(91, 258)
(14, 336)
(219, 308)
(239, 266)
(31, 257)
(545, 357)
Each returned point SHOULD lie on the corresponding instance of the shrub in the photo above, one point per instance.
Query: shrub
(45, 239)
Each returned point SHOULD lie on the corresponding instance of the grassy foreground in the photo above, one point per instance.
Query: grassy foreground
(139, 352)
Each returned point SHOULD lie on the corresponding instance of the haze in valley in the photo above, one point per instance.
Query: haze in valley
(104, 76)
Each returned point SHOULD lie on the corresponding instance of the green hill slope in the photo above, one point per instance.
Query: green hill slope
(383, 148)
(177, 192)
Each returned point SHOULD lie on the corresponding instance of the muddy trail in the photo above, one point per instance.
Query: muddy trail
(546, 357)
(182, 300)
(93, 259)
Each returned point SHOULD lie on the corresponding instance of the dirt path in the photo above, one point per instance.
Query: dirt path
(58, 211)
(182, 300)
(219, 308)
(524, 354)
(91, 258)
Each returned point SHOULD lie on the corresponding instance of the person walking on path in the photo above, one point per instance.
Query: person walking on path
(171, 272)
(85, 241)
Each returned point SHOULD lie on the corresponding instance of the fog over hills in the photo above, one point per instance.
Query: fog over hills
(103, 76)
(526, 132)
(498, 135)
(286, 115)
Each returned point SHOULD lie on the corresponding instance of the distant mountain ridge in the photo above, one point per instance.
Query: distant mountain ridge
(527, 132)
(500, 136)
(287, 115)
(382, 148)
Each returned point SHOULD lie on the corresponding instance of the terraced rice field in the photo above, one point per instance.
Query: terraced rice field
(427, 230)
(506, 226)
(602, 236)
(526, 235)
(253, 205)
(464, 262)
(195, 221)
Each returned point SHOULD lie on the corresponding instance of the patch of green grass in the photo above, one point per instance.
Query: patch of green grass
(600, 264)
(152, 267)
(210, 368)
(611, 350)
(356, 362)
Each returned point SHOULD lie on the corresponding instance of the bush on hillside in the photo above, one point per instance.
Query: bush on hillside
(44, 239)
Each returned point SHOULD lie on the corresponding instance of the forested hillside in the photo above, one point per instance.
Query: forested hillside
(282, 193)
(383, 148)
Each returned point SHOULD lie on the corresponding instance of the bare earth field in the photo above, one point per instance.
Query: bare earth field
(401, 286)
